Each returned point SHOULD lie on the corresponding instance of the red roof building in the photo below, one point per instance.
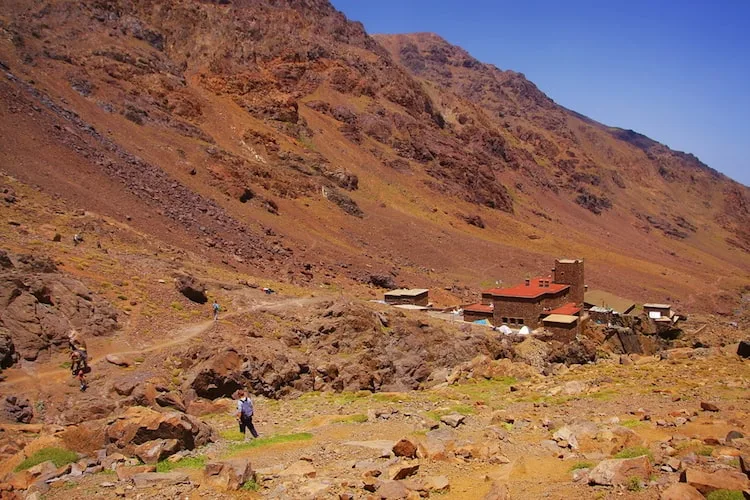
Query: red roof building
(532, 288)
(477, 312)
(529, 302)
(569, 309)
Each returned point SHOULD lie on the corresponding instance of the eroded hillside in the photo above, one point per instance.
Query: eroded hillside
(279, 137)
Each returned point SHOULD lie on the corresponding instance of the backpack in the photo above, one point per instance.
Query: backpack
(216, 306)
(246, 409)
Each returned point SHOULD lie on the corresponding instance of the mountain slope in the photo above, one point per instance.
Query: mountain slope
(279, 138)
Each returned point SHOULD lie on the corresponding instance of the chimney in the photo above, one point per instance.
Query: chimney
(528, 282)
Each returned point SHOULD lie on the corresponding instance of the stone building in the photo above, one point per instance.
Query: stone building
(562, 327)
(604, 307)
(414, 296)
(478, 312)
(530, 302)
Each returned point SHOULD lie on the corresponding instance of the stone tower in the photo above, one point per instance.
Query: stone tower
(570, 272)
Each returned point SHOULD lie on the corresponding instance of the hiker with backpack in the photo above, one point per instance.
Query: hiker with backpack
(75, 362)
(79, 354)
(216, 309)
(245, 412)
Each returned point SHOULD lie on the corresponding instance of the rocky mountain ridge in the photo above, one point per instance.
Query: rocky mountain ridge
(281, 137)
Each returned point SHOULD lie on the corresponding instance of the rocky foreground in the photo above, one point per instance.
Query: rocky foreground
(673, 426)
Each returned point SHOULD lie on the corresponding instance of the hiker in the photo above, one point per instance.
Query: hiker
(216, 309)
(245, 414)
(77, 238)
(81, 376)
(77, 362)
(77, 344)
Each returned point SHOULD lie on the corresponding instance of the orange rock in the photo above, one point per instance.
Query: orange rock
(229, 475)
(681, 491)
(615, 472)
(405, 448)
(125, 473)
(706, 482)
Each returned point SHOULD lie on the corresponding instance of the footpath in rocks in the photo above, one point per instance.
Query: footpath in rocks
(590, 431)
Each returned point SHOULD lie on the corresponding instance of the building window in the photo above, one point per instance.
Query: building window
(505, 320)
(520, 321)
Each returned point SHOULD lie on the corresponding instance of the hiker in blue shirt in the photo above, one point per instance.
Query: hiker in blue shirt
(216, 308)
(245, 412)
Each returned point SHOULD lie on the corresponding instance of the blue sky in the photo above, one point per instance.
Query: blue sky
(676, 71)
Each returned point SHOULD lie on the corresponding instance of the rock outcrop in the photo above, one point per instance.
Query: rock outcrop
(192, 288)
(8, 354)
(39, 306)
(152, 436)
(218, 376)
(17, 409)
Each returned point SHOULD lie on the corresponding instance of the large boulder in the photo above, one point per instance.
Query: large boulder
(191, 288)
(155, 450)
(743, 350)
(272, 369)
(17, 409)
(218, 376)
(229, 475)
(706, 482)
(139, 426)
(579, 351)
(681, 491)
(405, 448)
(618, 472)
(383, 281)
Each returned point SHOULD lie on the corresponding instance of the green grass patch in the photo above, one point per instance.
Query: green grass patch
(184, 463)
(725, 495)
(66, 365)
(606, 395)
(704, 451)
(460, 409)
(176, 306)
(581, 465)
(231, 435)
(389, 398)
(483, 390)
(637, 451)
(353, 419)
(58, 456)
(350, 397)
(634, 484)
(631, 423)
(270, 440)
(250, 486)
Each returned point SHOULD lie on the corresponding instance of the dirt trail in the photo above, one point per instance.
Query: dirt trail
(98, 353)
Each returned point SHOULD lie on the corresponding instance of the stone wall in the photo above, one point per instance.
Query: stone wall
(570, 272)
